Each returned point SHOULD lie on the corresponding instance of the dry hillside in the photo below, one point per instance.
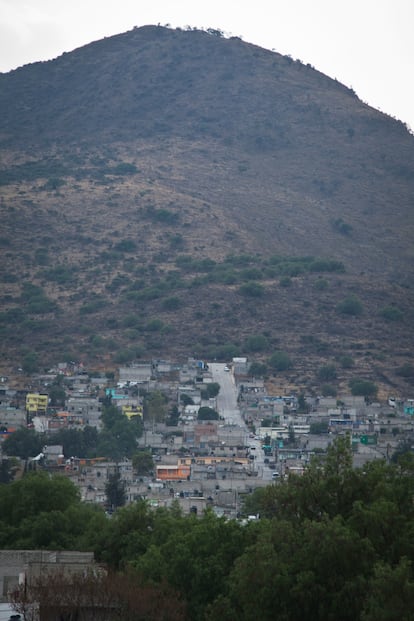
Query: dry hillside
(171, 193)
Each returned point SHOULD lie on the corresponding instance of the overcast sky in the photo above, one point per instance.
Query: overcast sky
(366, 44)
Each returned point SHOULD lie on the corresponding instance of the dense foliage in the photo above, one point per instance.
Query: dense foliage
(334, 544)
(117, 439)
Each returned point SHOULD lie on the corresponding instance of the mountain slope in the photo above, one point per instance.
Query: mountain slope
(128, 160)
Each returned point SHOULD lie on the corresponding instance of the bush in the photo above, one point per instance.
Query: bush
(257, 369)
(224, 352)
(327, 265)
(155, 325)
(124, 355)
(91, 307)
(391, 313)
(321, 284)
(347, 362)
(363, 388)
(252, 289)
(125, 245)
(30, 364)
(256, 343)
(406, 370)
(341, 227)
(328, 390)
(285, 281)
(172, 304)
(327, 372)
(280, 361)
(350, 306)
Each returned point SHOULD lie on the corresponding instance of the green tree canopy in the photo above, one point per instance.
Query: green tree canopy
(206, 413)
(280, 361)
(23, 443)
(143, 462)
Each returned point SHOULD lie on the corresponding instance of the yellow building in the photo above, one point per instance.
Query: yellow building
(132, 410)
(36, 403)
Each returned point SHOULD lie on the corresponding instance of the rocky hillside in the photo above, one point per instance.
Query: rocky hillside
(168, 192)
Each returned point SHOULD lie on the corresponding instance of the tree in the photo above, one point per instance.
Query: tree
(7, 470)
(143, 462)
(119, 436)
(186, 399)
(280, 361)
(210, 390)
(327, 373)
(30, 363)
(23, 443)
(195, 556)
(328, 390)
(390, 593)
(206, 413)
(57, 394)
(257, 369)
(303, 405)
(155, 407)
(115, 490)
(34, 493)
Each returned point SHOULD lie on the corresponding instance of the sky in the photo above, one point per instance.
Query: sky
(367, 45)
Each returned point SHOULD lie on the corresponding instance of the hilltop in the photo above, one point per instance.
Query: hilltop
(168, 192)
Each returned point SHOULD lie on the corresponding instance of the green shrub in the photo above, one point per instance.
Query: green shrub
(91, 307)
(327, 265)
(328, 390)
(171, 304)
(257, 369)
(252, 289)
(341, 227)
(280, 361)
(256, 343)
(351, 305)
(363, 388)
(327, 372)
(206, 413)
(124, 355)
(155, 325)
(321, 284)
(285, 281)
(123, 168)
(347, 362)
(391, 313)
(125, 245)
(30, 363)
(406, 370)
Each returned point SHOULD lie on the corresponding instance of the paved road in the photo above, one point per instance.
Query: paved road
(227, 397)
(229, 410)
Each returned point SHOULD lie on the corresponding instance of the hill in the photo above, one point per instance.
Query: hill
(169, 192)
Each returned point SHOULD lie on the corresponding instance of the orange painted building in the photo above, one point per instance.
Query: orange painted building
(179, 472)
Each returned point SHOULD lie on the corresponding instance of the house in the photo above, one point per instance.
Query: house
(36, 404)
(177, 472)
(84, 411)
(135, 375)
(18, 565)
(240, 366)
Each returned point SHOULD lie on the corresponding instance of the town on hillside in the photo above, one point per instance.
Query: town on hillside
(203, 434)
